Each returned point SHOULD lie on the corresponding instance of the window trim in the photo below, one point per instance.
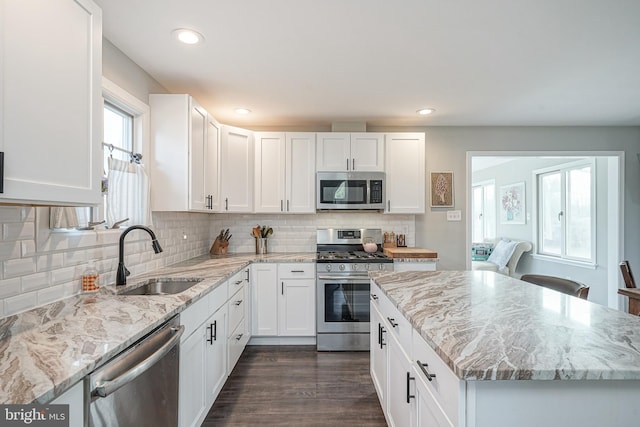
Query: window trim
(536, 229)
(485, 183)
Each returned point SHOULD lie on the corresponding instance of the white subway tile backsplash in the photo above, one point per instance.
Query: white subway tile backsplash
(19, 267)
(18, 231)
(33, 282)
(37, 275)
(10, 287)
(18, 303)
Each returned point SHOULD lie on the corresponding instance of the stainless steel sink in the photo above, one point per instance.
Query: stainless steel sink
(167, 286)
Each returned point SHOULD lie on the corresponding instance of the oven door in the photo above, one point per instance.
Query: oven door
(343, 303)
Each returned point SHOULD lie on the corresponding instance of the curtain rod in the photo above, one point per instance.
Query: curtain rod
(135, 157)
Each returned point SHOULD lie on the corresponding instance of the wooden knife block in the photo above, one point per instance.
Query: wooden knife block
(219, 247)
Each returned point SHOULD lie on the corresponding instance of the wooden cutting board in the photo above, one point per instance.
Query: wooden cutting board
(410, 253)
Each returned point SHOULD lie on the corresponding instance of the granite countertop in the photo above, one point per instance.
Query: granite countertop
(46, 350)
(487, 326)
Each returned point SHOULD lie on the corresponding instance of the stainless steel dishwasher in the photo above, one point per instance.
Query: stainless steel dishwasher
(139, 387)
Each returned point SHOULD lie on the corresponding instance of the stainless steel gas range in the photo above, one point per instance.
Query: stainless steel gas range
(342, 286)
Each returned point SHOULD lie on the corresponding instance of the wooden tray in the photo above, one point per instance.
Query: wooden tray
(409, 253)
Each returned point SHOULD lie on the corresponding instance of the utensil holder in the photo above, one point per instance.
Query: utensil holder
(261, 245)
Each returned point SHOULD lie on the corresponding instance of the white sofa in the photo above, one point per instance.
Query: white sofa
(510, 268)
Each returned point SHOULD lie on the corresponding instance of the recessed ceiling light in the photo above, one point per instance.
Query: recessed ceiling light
(426, 111)
(188, 36)
(242, 111)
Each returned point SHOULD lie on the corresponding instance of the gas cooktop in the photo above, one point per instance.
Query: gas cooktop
(351, 256)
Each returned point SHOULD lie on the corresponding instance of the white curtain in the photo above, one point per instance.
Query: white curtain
(60, 217)
(128, 194)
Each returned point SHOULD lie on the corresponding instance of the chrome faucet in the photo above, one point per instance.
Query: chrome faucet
(122, 273)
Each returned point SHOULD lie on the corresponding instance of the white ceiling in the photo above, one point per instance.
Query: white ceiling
(314, 62)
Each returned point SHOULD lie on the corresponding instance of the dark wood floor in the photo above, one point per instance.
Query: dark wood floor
(297, 386)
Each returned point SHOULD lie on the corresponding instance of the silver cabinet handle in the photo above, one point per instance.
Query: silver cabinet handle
(287, 205)
(238, 302)
(282, 288)
(238, 282)
(347, 164)
(388, 205)
(392, 322)
(239, 337)
(297, 271)
(423, 367)
(104, 389)
(281, 208)
(226, 203)
(353, 164)
(247, 271)
(374, 296)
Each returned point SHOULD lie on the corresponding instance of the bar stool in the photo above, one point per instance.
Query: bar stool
(566, 286)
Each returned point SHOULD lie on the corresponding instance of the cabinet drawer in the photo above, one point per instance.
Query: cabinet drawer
(193, 316)
(296, 270)
(235, 344)
(236, 307)
(238, 280)
(445, 386)
(218, 297)
(397, 324)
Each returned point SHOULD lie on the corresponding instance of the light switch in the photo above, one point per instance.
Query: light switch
(454, 215)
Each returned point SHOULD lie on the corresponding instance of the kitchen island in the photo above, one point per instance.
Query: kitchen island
(504, 353)
(46, 350)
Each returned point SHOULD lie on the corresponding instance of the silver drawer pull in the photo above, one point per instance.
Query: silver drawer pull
(423, 367)
(239, 337)
(238, 302)
(297, 271)
(392, 322)
(239, 281)
(374, 296)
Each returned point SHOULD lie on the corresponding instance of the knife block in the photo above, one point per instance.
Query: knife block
(219, 247)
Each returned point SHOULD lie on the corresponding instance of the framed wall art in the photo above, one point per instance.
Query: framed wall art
(441, 189)
(512, 204)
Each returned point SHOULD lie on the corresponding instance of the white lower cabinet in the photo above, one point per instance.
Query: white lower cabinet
(214, 339)
(284, 300)
(414, 386)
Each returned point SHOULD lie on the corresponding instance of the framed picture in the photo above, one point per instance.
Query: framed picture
(512, 204)
(441, 189)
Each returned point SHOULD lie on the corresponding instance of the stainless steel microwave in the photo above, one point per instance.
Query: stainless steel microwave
(350, 190)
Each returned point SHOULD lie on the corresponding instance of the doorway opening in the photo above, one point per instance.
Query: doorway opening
(575, 225)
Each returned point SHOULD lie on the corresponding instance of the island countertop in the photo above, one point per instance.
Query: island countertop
(487, 326)
(46, 350)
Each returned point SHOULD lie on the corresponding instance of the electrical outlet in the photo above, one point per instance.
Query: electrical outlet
(454, 215)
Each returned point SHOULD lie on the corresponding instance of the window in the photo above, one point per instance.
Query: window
(566, 211)
(484, 211)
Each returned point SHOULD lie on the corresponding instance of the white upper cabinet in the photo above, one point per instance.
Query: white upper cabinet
(285, 172)
(236, 164)
(51, 101)
(350, 152)
(184, 154)
(405, 173)
(212, 169)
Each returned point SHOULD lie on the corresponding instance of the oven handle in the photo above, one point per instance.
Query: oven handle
(351, 279)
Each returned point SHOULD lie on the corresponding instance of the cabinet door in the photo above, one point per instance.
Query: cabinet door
(378, 355)
(74, 397)
(237, 169)
(270, 171)
(401, 383)
(212, 165)
(367, 152)
(428, 412)
(192, 392)
(50, 92)
(197, 143)
(264, 301)
(405, 173)
(333, 152)
(297, 308)
(300, 173)
(216, 354)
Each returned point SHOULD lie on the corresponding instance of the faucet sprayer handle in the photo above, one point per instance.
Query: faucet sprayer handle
(156, 246)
